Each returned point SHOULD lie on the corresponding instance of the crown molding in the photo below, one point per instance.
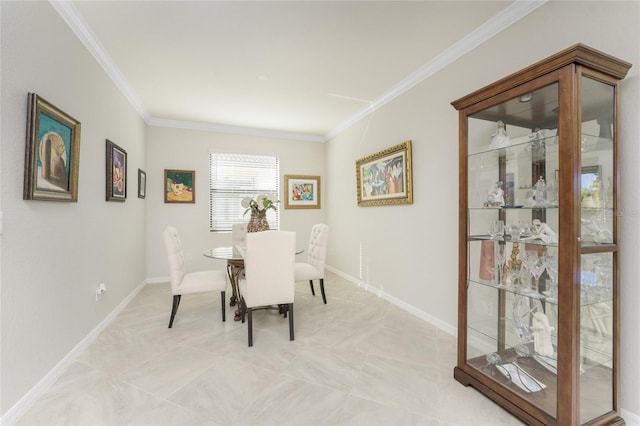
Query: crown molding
(79, 26)
(505, 18)
(81, 29)
(235, 130)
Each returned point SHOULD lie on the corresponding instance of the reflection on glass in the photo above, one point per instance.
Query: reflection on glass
(596, 335)
(597, 177)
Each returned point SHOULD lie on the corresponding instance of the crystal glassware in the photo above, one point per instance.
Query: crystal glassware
(524, 230)
(496, 229)
(535, 266)
(501, 259)
(551, 264)
(516, 275)
(492, 230)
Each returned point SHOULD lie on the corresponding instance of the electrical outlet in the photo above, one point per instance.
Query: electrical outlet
(100, 290)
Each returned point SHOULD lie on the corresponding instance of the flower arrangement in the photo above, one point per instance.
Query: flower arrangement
(263, 202)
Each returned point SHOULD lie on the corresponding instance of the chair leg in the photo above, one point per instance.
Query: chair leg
(224, 318)
(324, 298)
(313, 292)
(250, 326)
(243, 308)
(174, 309)
(290, 321)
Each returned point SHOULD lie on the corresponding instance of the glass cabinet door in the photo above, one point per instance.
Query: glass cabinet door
(513, 219)
(597, 274)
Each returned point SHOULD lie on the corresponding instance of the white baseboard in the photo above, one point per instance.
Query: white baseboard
(158, 280)
(20, 408)
(629, 418)
(436, 322)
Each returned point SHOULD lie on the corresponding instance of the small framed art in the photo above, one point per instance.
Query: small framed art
(52, 153)
(302, 192)
(179, 186)
(116, 172)
(384, 178)
(142, 183)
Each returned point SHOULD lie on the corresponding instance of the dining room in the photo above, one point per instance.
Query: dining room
(387, 265)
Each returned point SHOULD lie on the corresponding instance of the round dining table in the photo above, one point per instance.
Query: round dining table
(235, 268)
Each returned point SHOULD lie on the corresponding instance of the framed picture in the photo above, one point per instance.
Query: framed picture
(52, 153)
(179, 186)
(384, 178)
(302, 192)
(142, 184)
(116, 172)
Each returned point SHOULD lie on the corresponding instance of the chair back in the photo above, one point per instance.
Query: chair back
(269, 268)
(175, 257)
(317, 251)
(238, 234)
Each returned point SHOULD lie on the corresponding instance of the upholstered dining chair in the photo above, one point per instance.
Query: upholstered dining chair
(269, 278)
(183, 282)
(313, 268)
(238, 233)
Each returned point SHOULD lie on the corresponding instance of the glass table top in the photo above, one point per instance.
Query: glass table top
(230, 252)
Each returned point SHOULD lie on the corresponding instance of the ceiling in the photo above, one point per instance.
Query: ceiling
(303, 69)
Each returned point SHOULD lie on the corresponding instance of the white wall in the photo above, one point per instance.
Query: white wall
(54, 254)
(181, 149)
(410, 252)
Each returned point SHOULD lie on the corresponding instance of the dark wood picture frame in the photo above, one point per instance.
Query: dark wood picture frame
(142, 183)
(52, 153)
(116, 179)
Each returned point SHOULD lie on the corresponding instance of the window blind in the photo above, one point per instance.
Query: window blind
(235, 176)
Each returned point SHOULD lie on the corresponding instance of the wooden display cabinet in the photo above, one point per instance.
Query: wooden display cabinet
(546, 349)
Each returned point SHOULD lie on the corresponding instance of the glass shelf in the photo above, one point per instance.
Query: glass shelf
(521, 145)
(593, 295)
(508, 239)
(515, 209)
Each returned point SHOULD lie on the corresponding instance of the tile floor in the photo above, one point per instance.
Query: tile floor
(358, 360)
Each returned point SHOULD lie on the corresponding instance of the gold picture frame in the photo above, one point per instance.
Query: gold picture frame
(384, 178)
(52, 153)
(302, 192)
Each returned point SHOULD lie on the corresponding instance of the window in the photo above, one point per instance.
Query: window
(235, 176)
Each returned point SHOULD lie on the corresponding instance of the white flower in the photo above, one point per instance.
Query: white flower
(246, 202)
(273, 198)
(261, 203)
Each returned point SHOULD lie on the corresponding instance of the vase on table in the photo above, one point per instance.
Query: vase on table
(258, 221)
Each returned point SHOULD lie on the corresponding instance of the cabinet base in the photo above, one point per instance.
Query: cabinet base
(468, 380)
(511, 406)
